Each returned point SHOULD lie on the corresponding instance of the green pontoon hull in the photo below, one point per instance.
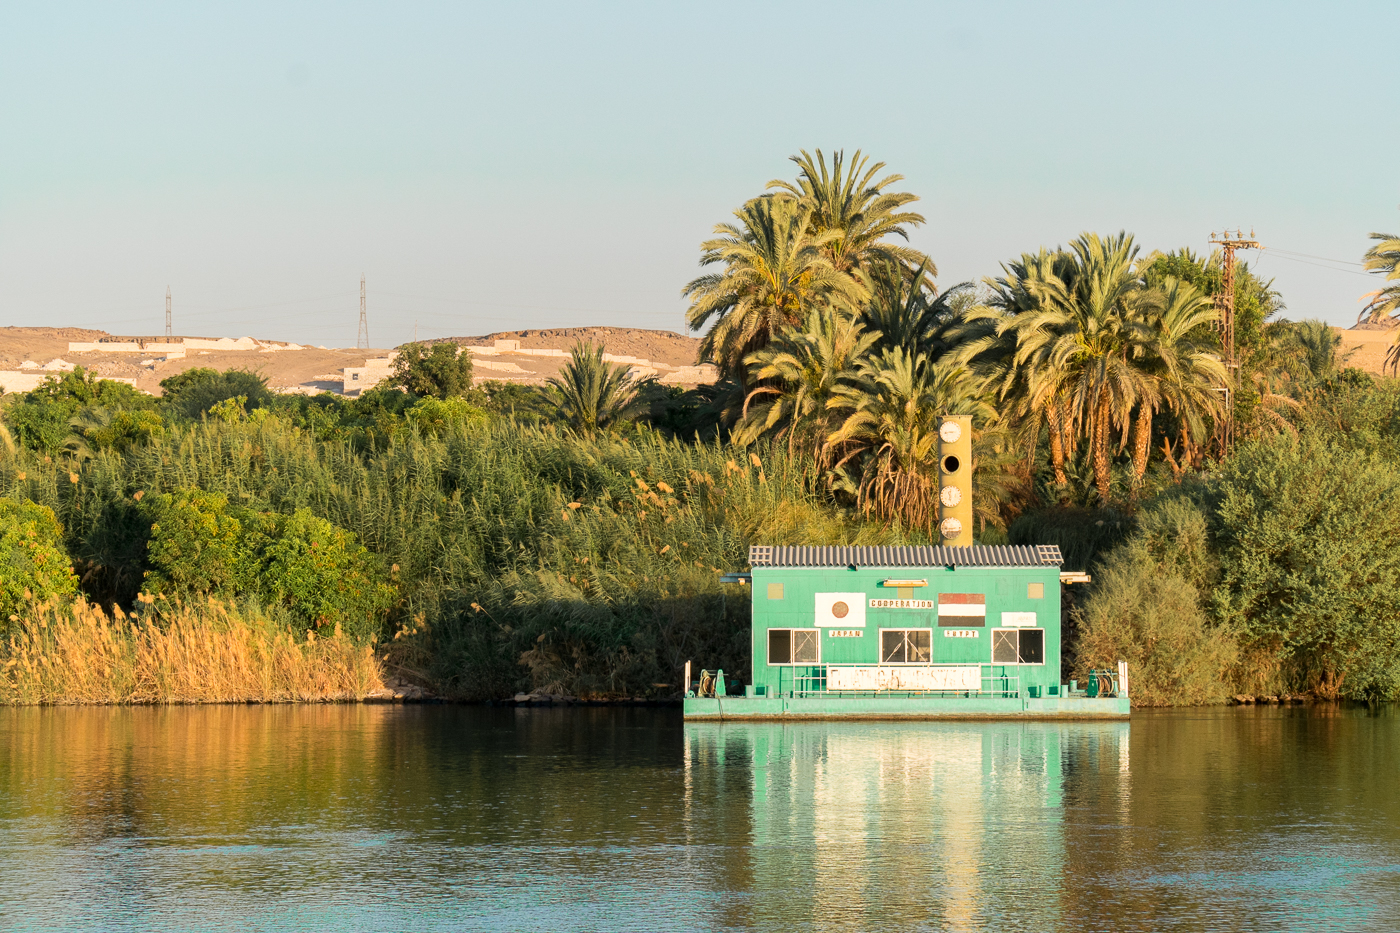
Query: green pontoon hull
(739, 708)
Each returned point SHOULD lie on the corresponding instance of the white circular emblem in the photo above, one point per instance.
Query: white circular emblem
(950, 496)
(950, 527)
(950, 432)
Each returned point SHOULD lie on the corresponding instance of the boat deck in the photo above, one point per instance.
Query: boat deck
(868, 707)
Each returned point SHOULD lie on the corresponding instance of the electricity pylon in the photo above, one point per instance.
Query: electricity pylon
(1225, 305)
(362, 341)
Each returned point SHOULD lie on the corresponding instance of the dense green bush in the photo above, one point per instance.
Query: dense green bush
(1311, 558)
(1084, 535)
(440, 370)
(1146, 607)
(193, 392)
(317, 573)
(42, 419)
(33, 565)
(196, 546)
(120, 431)
(436, 416)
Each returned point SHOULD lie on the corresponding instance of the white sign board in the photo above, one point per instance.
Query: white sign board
(841, 610)
(951, 677)
(1018, 619)
(902, 604)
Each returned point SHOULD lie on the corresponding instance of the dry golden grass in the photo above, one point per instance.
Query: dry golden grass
(77, 653)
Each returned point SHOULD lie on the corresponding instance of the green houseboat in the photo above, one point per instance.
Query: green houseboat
(906, 633)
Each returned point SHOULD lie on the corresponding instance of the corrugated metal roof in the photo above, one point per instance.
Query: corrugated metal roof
(1039, 555)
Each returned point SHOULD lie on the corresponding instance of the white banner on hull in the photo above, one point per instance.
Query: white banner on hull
(959, 677)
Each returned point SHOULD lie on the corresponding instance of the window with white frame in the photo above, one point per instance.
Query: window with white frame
(793, 646)
(906, 645)
(1018, 646)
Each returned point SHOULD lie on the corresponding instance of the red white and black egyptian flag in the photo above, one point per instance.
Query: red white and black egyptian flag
(962, 610)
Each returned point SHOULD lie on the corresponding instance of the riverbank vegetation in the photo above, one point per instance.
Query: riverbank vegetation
(205, 652)
(487, 538)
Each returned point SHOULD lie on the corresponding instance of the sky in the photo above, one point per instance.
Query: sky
(491, 167)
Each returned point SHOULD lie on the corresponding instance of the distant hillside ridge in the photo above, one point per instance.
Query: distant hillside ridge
(660, 346)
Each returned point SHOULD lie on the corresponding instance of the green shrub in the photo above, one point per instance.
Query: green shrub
(1083, 535)
(609, 597)
(41, 419)
(194, 392)
(319, 573)
(436, 416)
(1310, 552)
(1146, 607)
(442, 370)
(101, 429)
(33, 564)
(196, 546)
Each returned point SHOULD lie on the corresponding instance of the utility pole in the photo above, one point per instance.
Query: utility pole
(1225, 305)
(362, 342)
(167, 313)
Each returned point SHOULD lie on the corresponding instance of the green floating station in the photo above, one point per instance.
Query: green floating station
(952, 631)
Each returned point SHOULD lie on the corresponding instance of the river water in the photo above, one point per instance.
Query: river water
(459, 818)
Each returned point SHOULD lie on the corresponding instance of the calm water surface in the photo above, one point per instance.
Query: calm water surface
(449, 818)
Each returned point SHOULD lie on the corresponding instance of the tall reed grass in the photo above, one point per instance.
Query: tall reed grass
(525, 557)
(76, 653)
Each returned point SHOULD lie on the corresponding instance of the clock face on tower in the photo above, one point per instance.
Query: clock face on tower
(950, 527)
(950, 496)
(949, 432)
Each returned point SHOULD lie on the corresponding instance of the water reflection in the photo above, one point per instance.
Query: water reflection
(375, 818)
(950, 825)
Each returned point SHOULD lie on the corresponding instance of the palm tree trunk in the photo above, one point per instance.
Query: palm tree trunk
(1057, 443)
(1067, 431)
(1099, 436)
(1142, 440)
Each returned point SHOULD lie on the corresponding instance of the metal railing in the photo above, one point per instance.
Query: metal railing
(811, 681)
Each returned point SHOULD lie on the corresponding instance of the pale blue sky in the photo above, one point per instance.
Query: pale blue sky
(498, 166)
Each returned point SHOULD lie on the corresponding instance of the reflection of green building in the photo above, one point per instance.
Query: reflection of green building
(902, 826)
(908, 632)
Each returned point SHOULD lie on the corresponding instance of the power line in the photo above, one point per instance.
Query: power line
(1319, 265)
(502, 304)
(1275, 249)
(362, 340)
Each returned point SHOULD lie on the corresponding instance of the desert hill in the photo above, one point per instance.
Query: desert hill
(526, 356)
(523, 356)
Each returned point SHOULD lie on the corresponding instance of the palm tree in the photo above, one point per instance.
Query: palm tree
(891, 432)
(1383, 258)
(1027, 310)
(592, 395)
(853, 213)
(907, 310)
(774, 271)
(798, 372)
(1178, 367)
(1306, 350)
(1384, 303)
(1078, 341)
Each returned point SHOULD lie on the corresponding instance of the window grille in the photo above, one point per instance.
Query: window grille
(1018, 646)
(793, 646)
(906, 646)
